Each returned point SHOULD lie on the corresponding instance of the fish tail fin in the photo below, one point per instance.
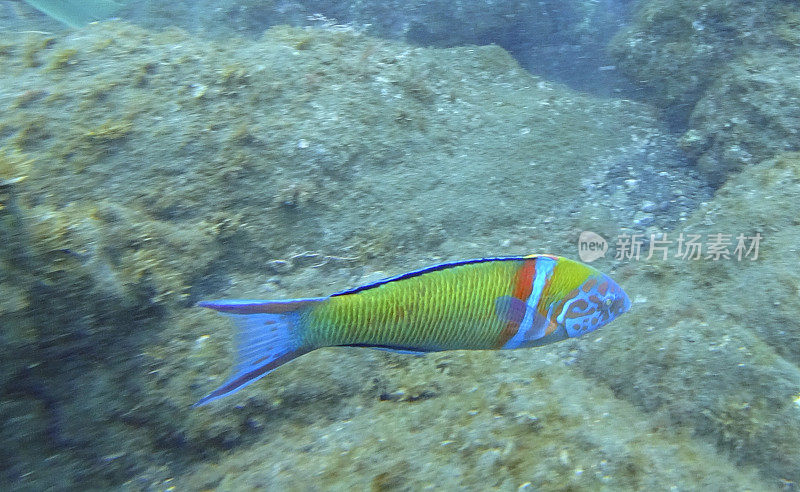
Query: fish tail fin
(77, 13)
(268, 335)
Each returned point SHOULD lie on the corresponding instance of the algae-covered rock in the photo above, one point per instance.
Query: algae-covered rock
(288, 133)
(85, 290)
(436, 22)
(749, 113)
(763, 201)
(466, 419)
(723, 72)
(677, 49)
(715, 344)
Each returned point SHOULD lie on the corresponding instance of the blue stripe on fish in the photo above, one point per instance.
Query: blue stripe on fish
(440, 266)
(534, 324)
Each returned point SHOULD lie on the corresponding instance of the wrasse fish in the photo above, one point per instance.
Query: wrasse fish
(487, 303)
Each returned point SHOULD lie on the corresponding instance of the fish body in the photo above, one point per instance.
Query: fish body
(486, 303)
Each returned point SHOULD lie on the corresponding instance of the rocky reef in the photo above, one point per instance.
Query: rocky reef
(563, 40)
(714, 69)
(724, 359)
(141, 171)
(722, 72)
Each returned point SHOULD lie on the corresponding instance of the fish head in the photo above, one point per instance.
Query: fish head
(575, 299)
(595, 303)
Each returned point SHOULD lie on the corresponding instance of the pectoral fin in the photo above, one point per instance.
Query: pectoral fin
(526, 324)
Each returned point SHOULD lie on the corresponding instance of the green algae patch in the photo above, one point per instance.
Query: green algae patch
(63, 59)
(109, 131)
(34, 46)
(14, 165)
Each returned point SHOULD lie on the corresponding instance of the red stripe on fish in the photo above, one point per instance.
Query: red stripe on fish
(523, 284)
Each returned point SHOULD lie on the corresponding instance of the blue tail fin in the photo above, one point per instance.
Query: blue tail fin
(268, 335)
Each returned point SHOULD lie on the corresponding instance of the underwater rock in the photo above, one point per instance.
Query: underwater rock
(677, 50)
(722, 73)
(527, 420)
(748, 114)
(708, 349)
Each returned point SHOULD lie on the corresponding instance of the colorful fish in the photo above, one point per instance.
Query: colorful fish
(487, 303)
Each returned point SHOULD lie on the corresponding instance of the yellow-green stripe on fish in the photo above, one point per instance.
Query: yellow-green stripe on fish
(487, 303)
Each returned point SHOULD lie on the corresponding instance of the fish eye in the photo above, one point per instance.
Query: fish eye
(608, 302)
